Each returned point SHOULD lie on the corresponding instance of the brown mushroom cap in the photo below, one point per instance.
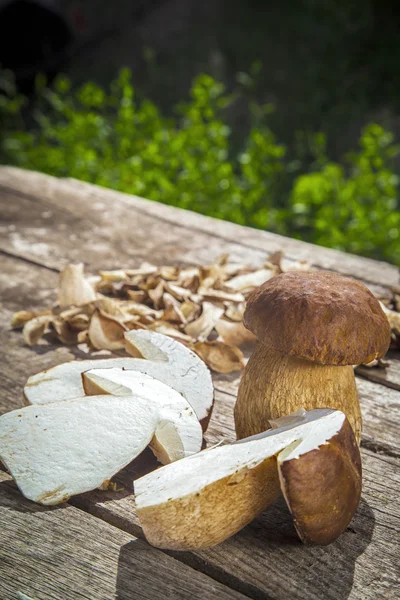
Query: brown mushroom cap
(322, 488)
(322, 317)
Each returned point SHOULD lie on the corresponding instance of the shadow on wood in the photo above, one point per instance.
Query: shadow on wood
(295, 570)
(11, 496)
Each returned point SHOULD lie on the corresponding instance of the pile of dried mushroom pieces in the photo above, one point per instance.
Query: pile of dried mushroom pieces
(202, 306)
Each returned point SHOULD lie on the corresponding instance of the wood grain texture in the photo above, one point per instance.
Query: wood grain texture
(64, 553)
(54, 191)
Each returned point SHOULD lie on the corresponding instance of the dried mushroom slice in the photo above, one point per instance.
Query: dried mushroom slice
(106, 333)
(219, 356)
(73, 288)
(33, 330)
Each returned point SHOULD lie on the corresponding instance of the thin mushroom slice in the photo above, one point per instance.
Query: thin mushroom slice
(65, 448)
(164, 359)
(178, 433)
(106, 333)
(64, 382)
(175, 365)
(73, 288)
(34, 329)
(200, 501)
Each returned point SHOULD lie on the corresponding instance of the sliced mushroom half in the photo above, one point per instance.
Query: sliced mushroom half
(178, 433)
(65, 448)
(202, 500)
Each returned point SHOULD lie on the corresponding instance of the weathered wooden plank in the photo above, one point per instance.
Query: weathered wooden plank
(389, 376)
(44, 224)
(284, 565)
(65, 553)
(55, 191)
(46, 228)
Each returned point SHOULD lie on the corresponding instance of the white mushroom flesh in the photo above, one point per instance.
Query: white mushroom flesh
(191, 475)
(178, 433)
(65, 448)
(164, 358)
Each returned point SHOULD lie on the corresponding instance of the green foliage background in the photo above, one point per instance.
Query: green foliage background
(188, 160)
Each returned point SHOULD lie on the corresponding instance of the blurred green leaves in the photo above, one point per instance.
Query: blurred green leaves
(113, 139)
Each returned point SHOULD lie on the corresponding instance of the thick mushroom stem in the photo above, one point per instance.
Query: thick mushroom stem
(275, 385)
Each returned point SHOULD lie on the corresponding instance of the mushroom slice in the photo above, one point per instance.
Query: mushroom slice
(248, 281)
(220, 357)
(21, 317)
(167, 361)
(66, 448)
(178, 433)
(233, 332)
(34, 329)
(175, 365)
(200, 501)
(73, 288)
(106, 333)
(203, 326)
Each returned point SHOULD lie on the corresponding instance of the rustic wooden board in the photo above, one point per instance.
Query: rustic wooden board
(64, 553)
(69, 194)
(52, 222)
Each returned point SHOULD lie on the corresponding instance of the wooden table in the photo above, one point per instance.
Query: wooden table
(93, 547)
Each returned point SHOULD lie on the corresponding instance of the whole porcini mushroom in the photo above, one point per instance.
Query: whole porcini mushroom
(311, 328)
(201, 500)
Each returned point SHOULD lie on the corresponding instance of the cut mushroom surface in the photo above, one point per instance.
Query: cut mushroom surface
(175, 365)
(165, 359)
(178, 433)
(202, 500)
(65, 448)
